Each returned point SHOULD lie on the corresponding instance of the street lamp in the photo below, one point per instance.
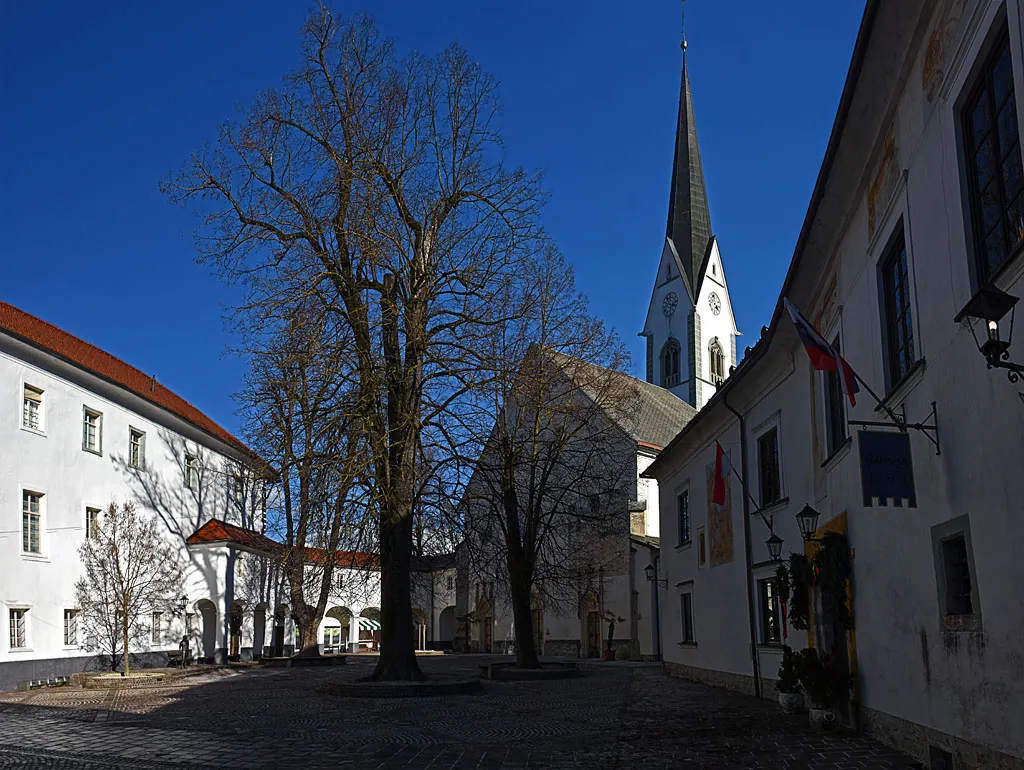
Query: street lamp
(774, 544)
(182, 604)
(807, 520)
(991, 305)
(652, 576)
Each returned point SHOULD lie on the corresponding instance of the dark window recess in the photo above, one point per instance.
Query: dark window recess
(958, 576)
(994, 171)
(670, 364)
(835, 404)
(686, 608)
(899, 328)
(683, 516)
(768, 464)
(771, 617)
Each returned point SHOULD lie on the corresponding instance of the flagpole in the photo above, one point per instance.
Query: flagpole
(901, 424)
(757, 506)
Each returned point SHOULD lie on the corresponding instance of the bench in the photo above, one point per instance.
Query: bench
(174, 659)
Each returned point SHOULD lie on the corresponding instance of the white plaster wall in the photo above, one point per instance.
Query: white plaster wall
(648, 489)
(721, 326)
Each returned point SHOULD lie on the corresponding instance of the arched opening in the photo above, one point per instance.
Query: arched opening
(336, 630)
(208, 612)
(419, 627)
(280, 621)
(369, 629)
(446, 626)
(259, 629)
(236, 615)
(670, 363)
(716, 358)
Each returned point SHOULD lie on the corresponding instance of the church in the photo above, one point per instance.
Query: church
(690, 329)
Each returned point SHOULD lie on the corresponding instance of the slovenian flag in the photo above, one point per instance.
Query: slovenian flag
(723, 467)
(823, 357)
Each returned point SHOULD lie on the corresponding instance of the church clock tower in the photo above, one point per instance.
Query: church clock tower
(690, 329)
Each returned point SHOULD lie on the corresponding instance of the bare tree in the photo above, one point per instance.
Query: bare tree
(374, 184)
(130, 570)
(548, 494)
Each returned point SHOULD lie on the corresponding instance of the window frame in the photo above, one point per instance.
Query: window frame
(89, 534)
(39, 516)
(681, 493)
(768, 593)
(191, 475)
(771, 427)
(88, 412)
(72, 615)
(671, 347)
(26, 645)
(41, 429)
(954, 529)
(686, 624)
(834, 399)
(156, 631)
(980, 85)
(716, 353)
(132, 433)
(893, 318)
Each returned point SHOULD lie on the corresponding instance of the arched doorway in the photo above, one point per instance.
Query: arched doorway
(208, 612)
(369, 629)
(419, 628)
(259, 629)
(336, 630)
(280, 620)
(446, 626)
(236, 614)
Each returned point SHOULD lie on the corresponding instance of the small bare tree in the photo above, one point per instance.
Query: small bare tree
(130, 570)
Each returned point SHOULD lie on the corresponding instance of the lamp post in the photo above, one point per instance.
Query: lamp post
(651, 572)
(990, 305)
(774, 543)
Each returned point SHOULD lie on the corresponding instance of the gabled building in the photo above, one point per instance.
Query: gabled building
(915, 219)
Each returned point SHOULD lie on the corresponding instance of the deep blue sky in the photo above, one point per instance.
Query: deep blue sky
(100, 100)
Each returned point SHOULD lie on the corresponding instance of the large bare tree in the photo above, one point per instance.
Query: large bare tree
(131, 570)
(375, 184)
(549, 490)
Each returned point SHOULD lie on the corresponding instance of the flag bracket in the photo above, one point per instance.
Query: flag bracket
(929, 428)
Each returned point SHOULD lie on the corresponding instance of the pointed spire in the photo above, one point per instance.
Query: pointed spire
(689, 220)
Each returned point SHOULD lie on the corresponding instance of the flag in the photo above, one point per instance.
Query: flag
(823, 357)
(723, 467)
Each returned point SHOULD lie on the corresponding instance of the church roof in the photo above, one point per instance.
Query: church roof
(689, 219)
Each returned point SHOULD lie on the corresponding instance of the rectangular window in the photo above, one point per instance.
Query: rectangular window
(92, 431)
(899, 328)
(155, 630)
(31, 521)
(686, 609)
(136, 448)
(450, 582)
(19, 640)
(32, 408)
(993, 160)
(683, 515)
(191, 472)
(239, 489)
(92, 523)
(771, 614)
(835, 405)
(70, 628)
(768, 465)
(957, 576)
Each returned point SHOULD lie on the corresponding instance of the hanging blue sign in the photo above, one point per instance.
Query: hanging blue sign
(886, 468)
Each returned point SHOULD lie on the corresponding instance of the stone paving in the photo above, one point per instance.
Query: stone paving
(617, 716)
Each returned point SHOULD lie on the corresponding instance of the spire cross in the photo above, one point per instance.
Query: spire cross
(682, 24)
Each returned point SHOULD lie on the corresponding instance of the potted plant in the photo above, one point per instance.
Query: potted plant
(791, 697)
(827, 686)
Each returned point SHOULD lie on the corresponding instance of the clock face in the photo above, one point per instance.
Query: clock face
(669, 304)
(715, 302)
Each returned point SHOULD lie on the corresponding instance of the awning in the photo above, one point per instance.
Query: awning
(368, 624)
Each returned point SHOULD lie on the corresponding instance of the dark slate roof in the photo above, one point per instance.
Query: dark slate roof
(689, 219)
(660, 414)
(433, 562)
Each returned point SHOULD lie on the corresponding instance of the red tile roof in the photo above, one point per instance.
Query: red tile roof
(217, 531)
(60, 343)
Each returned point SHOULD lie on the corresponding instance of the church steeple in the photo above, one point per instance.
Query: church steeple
(689, 220)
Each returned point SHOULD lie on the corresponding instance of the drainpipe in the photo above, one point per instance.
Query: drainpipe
(656, 601)
(754, 662)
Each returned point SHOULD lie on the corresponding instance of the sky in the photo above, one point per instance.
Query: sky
(102, 100)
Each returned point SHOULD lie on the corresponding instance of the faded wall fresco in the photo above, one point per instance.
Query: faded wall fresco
(719, 522)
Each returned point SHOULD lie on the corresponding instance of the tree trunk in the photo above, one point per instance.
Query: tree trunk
(124, 640)
(309, 641)
(521, 585)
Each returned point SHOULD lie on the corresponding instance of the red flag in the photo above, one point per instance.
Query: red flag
(723, 467)
(822, 356)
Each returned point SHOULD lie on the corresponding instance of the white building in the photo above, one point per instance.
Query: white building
(916, 209)
(82, 429)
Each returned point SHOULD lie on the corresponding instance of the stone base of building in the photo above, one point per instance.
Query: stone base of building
(16, 672)
(562, 648)
(730, 681)
(919, 741)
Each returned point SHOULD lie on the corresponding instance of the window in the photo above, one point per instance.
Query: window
(32, 408)
(899, 329)
(19, 640)
(92, 523)
(686, 613)
(92, 427)
(70, 628)
(238, 489)
(702, 552)
(155, 630)
(670, 364)
(957, 576)
(771, 614)
(835, 406)
(450, 582)
(31, 521)
(683, 516)
(191, 472)
(768, 464)
(959, 606)
(717, 358)
(136, 448)
(993, 161)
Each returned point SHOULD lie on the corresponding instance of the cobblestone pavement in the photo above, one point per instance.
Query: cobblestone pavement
(618, 716)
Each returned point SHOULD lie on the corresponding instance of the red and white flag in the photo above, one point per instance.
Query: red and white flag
(823, 357)
(723, 467)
